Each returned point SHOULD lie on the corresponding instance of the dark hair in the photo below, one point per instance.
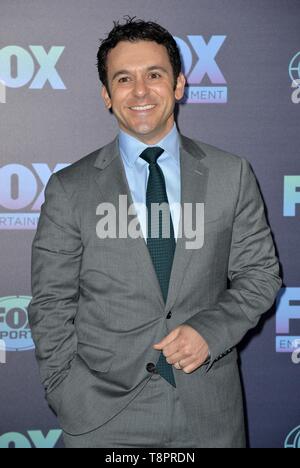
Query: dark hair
(134, 30)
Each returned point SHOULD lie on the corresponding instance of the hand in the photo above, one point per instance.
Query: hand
(185, 345)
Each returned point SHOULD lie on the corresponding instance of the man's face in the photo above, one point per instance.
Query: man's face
(140, 74)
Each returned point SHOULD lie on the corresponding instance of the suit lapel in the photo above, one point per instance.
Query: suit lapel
(194, 176)
(112, 181)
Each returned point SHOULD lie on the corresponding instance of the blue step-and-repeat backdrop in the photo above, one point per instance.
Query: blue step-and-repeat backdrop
(242, 61)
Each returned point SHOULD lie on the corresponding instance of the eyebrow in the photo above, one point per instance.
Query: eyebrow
(127, 72)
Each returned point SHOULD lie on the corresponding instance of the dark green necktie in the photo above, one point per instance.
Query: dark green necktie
(161, 248)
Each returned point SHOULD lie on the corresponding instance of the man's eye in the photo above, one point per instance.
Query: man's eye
(123, 80)
(155, 75)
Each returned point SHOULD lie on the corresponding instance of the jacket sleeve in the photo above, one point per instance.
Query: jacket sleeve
(253, 272)
(55, 269)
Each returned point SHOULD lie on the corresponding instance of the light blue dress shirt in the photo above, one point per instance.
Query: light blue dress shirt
(137, 173)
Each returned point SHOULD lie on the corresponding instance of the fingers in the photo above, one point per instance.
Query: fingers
(186, 365)
(179, 358)
(175, 357)
(172, 349)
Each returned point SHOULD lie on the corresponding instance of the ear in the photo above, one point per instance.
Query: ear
(180, 87)
(105, 97)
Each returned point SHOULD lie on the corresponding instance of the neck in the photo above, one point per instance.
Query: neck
(151, 138)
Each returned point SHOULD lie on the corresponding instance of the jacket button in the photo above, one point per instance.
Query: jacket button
(151, 367)
(169, 315)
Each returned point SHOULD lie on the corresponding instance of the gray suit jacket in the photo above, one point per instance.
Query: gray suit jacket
(97, 308)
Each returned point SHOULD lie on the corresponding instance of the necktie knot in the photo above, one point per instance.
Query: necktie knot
(151, 154)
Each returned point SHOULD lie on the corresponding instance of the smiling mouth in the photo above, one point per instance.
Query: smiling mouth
(142, 108)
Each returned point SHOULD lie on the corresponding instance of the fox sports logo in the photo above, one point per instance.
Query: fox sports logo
(14, 327)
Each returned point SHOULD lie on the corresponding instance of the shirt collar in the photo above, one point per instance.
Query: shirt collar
(131, 147)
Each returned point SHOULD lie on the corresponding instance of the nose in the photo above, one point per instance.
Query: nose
(140, 87)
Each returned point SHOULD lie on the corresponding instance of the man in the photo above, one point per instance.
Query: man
(136, 335)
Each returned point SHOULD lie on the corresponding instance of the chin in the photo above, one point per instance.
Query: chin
(143, 130)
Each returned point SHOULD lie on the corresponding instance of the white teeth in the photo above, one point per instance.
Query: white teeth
(142, 108)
